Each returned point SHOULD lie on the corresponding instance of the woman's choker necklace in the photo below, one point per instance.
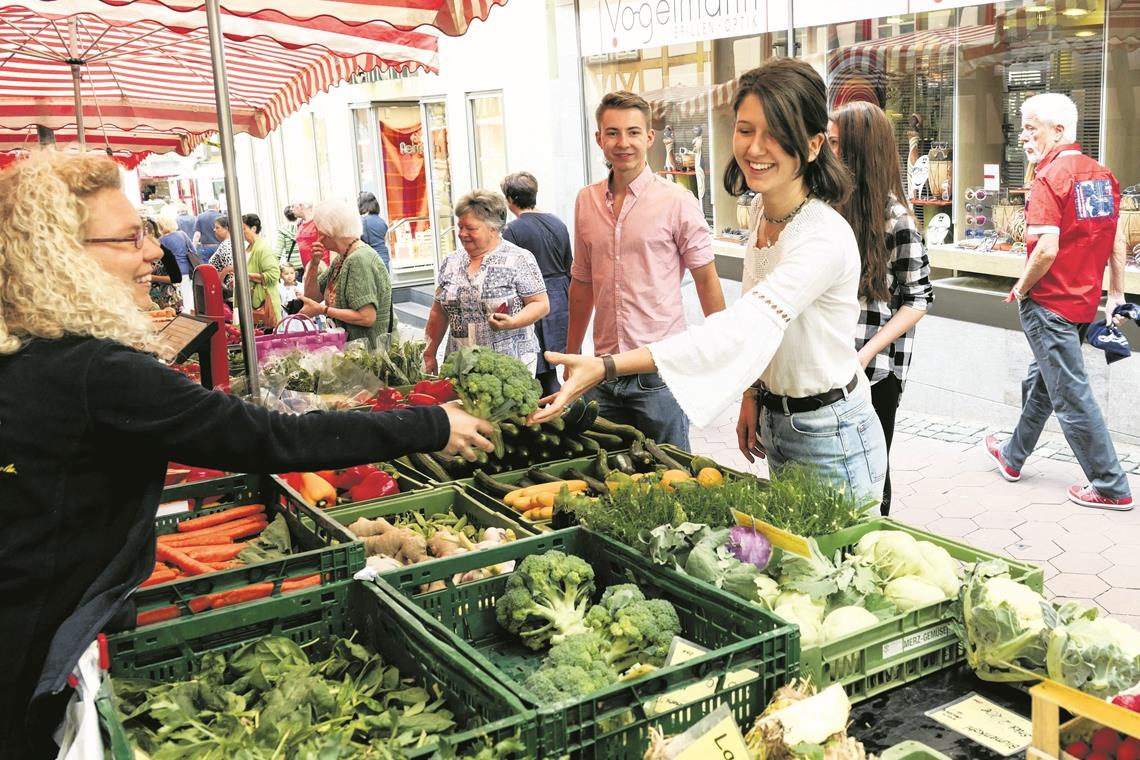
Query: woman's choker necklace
(789, 217)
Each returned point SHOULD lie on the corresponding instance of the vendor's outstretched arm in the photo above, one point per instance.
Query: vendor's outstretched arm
(584, 372)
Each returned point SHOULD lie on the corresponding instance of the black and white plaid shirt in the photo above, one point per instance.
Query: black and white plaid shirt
(908, 281)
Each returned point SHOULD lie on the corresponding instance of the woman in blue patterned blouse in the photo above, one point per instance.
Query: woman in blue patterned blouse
(490, 293)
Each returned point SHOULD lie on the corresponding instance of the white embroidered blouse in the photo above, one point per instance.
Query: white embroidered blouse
(793, 329)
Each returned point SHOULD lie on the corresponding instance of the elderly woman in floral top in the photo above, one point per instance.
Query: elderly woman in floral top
(489, 294)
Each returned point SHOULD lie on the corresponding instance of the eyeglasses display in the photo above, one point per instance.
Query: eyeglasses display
(976, 212)
(975, 193)
(137, 239)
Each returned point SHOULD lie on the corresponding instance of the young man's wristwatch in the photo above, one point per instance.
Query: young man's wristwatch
(610, 366)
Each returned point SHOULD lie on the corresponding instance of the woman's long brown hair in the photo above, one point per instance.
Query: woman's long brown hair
(867, 146)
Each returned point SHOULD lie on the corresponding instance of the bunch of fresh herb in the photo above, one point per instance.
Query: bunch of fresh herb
(802, 501)
(269, 700)
(629, 513)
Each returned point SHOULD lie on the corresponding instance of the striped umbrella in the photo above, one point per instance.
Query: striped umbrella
(145, 65)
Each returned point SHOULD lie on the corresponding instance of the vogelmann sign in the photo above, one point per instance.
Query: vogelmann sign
(611, 26)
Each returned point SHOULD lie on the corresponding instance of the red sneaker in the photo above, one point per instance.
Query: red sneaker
(1087, 496)
(994, 452)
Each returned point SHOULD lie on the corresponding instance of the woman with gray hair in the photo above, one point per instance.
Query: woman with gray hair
(489, 294)
(354, 291)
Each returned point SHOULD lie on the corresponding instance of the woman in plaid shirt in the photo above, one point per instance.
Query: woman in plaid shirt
(894, 286)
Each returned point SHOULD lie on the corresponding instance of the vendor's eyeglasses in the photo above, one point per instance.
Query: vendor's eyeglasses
(973, 193)
(979, 220)
(137, 239)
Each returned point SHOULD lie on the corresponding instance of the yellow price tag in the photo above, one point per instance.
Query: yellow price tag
(778, 537)
(720, 741)
(682, 651)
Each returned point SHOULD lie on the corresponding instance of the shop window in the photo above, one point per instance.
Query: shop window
(321, 155)
(1122, 114)
(488, 140)
(367, 172)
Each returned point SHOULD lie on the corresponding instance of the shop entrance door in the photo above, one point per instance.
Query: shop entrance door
(441, 213)
(406, 192)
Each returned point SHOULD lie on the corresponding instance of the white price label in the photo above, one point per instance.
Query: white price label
(938, 633)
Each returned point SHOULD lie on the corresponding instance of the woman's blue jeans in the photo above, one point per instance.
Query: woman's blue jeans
(844, 440)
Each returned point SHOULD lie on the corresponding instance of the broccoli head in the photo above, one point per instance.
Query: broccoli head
(641, 632)
(493, 386)
(555, 683)
(547, 598)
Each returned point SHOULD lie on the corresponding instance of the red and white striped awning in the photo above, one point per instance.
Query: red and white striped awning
(903, 52)
(689, 100)
(156, 73)
(142, 142)
(450, 17)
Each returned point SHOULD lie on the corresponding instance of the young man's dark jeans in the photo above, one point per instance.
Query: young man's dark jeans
(644, 402)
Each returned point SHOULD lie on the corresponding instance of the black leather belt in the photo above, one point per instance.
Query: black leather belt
(791, 405)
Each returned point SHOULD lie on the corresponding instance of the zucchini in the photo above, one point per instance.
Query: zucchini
(590, 415)
(487, 484)
(627, 433)
(557, 424)
(429, 467)
(641, 457)
(509, 429)
(602, 464)
(623, 462)
(589, 445)
(573, 446)
(595, 485)
(538, 476)
(525, 483)
(663, 458)
(699, 463)
(605, 440)
(572, 417)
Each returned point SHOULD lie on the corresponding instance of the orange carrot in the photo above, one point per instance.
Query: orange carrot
(157, 615)
(189, 565)
(225, 565)
(293, 584)
(159, 576)
(237, 529)
(201, 538)
(214, 553)
(212, 529)
(218, 518)
(251, 592)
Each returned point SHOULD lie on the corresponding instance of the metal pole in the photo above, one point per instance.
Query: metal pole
(791, 29)
(76, 80)
(233, 201)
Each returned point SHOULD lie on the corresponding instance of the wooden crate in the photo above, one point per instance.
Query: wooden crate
(1088, 711)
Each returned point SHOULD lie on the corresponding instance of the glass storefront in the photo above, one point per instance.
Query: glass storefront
(951, 79)
(488, 139)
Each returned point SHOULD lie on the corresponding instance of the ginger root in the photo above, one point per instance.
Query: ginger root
(363, 528)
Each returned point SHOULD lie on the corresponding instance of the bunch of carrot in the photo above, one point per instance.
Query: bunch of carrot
(206, 544)
(219, 599)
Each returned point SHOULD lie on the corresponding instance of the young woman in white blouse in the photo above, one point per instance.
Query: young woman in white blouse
(785, 348)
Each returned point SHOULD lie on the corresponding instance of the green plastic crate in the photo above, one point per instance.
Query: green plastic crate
(431, 502)
(685, 458)
(230, 489)
(557, 469)
(484, 707)
(319, 547)
(614, 722)
(907, 646)
(911, 750)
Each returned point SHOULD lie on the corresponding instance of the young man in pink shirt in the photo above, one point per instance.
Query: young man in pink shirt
(635, 234)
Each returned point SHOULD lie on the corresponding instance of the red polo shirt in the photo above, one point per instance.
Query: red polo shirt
(306, 236)
(1077, 199)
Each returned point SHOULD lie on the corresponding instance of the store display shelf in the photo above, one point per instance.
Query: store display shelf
(1003, 264)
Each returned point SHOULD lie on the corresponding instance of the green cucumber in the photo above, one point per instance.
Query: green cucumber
(429, 467)
(487, 484)
(611, 442)
(572, 416)
(627, 433)
(510, 430)
(589, 445)
(538, 476)
(595, 485)
(640, 456)
(623, 462)
(663, 458)
(589, 416)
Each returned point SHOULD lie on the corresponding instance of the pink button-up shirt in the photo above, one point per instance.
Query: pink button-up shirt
(635, 262)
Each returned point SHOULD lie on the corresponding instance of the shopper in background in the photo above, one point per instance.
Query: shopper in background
(375, 228)
(109, 416)
(354, 291)
(894, 282)
(223, 258)
(204, 238)
(1071, 214)
(793, 329)
(489, 294)
(634, 236)
(547, 239)
(182, 247)
(264, 272)
(288, 288)
(186, 220)
(165, 276)
(287, 252)
(306, 231)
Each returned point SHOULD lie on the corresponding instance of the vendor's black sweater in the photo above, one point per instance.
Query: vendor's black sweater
(86, 429)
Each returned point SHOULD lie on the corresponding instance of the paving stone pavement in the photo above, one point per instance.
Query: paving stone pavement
(944, 482)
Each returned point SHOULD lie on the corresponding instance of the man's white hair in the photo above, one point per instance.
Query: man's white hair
(1052, 109)
(337, 219)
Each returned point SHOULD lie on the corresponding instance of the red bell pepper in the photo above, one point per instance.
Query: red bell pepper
(203, 473)
(293, 479)
(377, 484)
(350, 476)
(422, 399)
(387, 399)
(440, 390)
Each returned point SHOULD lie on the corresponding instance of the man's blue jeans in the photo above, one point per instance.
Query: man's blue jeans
(1057, 384)
(644, 402)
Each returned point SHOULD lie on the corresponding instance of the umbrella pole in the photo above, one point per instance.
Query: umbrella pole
(79, 130)
(233, 201)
